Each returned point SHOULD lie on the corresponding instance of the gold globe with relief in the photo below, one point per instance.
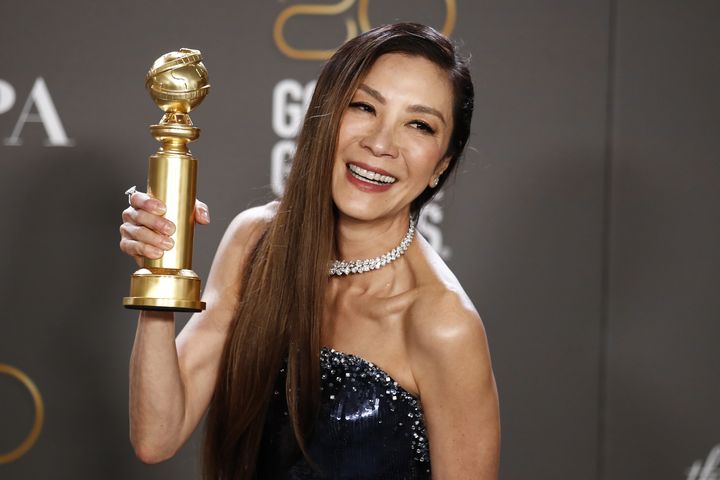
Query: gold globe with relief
(177, 83)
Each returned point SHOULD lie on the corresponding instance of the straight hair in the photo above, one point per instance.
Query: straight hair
(284, 284)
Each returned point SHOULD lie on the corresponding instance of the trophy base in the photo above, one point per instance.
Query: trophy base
(164, 289)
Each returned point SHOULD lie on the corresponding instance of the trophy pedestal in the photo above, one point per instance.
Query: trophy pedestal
(177, 82)
(164, 289)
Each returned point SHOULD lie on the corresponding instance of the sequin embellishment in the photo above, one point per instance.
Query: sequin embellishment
(368, 427)
(341, 370)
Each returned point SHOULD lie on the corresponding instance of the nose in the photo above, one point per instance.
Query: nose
(380, 140)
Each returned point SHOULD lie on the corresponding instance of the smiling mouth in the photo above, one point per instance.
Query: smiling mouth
(370, 177)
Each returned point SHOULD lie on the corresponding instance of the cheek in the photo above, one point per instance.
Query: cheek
(425, 158)
(347, 135)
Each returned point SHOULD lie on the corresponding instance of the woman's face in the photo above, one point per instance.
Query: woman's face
(392, 138)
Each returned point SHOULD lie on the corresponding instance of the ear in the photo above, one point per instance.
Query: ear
(439, 169)
(442, 166)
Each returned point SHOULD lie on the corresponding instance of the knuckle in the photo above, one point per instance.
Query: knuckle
(142, 218)
(164, 226)
(126, 246)
(128, 230)
(147, 235)
(150, 251)
(132, 215)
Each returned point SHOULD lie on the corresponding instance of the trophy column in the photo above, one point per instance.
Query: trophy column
(177, 82)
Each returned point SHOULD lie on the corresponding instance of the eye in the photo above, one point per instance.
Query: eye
(422, 126)
(365, 107)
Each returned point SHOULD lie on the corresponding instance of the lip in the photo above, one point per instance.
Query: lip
(366, 186)
(372, 169)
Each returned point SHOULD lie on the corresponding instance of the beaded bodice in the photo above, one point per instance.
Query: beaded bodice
(369, 427)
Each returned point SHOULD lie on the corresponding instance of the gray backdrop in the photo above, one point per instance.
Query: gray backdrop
(584, 222)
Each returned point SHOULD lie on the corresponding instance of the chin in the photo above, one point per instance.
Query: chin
(365, 211)
(368, 206)
(358, 212)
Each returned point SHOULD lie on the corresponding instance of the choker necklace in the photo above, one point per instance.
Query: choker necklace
(341, 267)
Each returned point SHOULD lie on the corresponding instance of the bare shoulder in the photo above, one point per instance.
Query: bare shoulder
(442, 318)
(249, 224)
(443, 323)
(230, 260)
(224, 283)
(450, 360)
(444, 335)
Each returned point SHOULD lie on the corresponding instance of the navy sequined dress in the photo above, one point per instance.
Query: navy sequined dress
(369, 427)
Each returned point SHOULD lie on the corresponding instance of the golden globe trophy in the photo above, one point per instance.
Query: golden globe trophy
(177, 82)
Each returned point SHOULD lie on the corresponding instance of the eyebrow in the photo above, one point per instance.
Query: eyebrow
(412, 108)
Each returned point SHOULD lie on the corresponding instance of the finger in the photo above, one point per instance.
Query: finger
(125, 244)
(145, 235)
(143, 201)
(202, 214)
(153, 222)
(138, 249)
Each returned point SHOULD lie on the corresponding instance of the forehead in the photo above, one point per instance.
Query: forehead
(413, 77)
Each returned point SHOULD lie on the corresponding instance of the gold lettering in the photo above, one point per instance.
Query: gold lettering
(447, 29)
(32, 437)
(310, 9)
(351, 26)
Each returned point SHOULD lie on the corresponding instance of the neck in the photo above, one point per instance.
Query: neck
(358, 240)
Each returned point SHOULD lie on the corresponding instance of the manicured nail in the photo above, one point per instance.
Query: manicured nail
(167, 243)
(206, 215)
(168, 228)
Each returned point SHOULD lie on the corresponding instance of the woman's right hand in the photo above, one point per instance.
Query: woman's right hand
(145, 233)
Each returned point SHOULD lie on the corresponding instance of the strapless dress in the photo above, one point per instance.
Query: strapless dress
(368, 427)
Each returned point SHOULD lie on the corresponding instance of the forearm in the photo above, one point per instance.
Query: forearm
(157, 393)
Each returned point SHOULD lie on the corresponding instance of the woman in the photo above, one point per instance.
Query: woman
(375, 369)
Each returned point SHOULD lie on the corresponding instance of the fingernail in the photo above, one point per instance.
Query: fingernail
(168, 228)
(167, 243)
(205, 214)
(154, 252)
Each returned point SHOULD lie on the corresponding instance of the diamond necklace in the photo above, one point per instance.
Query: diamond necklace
(341, 267)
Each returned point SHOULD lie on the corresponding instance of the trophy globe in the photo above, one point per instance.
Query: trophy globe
(177, 82)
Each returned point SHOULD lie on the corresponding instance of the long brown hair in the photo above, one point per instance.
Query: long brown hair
(281, 301)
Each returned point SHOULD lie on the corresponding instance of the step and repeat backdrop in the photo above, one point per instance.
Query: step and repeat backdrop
(583, 223)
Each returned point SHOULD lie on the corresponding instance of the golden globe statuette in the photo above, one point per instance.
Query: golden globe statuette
(177, 82)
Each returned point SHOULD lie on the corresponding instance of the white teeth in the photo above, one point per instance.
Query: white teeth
(367, 175)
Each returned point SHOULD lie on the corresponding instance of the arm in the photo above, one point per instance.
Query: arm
(172, 380)
(451, 364)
